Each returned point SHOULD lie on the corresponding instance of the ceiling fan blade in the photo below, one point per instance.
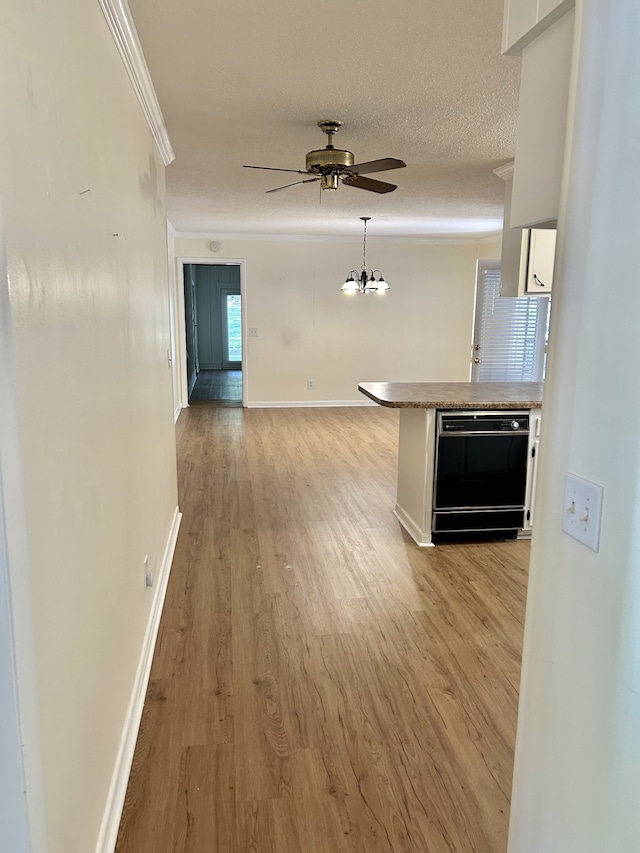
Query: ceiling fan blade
(294, 184)
(368, 184)
(377, 166)
(273, 169)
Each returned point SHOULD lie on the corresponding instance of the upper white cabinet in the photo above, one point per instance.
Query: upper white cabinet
(542, 123)
(531, 272)
(540, 255)
(524, 20)
(527, 256)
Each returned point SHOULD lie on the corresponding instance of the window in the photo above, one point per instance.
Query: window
(510, 333)
(232, 329)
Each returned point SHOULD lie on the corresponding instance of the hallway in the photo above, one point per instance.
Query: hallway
(223, 387)
(320, 684)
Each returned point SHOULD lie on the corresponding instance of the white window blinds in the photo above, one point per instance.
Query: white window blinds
(510, 333)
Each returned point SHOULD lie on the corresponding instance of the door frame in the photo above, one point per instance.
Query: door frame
(192, 375)
(179, 330)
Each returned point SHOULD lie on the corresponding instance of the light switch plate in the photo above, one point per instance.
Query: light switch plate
(582, 510)
(253, 332)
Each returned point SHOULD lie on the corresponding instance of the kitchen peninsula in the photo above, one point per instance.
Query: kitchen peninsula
(502, 408)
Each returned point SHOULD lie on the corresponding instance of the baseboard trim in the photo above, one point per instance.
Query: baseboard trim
(176, 412)
(412, 528)
(307, 404)
(118, 788)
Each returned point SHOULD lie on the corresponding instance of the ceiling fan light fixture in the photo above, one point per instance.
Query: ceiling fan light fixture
(329, 182)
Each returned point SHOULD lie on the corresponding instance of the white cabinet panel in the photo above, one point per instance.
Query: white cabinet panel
(542, 121)
(548, 7)
(525, 20)
(511, 253)
(541, 256)
(520, 16)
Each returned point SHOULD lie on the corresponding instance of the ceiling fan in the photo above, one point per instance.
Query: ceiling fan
(328, 165)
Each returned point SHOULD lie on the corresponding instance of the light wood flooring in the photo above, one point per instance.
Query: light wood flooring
(320, 684)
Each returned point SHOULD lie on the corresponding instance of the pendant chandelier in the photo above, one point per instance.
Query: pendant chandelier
(365, 281)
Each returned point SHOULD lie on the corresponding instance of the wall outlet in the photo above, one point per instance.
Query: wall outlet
(253, 332)
(582, 510)
(311, 384)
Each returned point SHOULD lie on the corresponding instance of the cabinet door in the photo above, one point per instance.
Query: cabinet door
(542, 250)
(542, 121)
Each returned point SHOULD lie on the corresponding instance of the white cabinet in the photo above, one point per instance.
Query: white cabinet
(527, 256)
(530, 271)
(524, 20)
(542, 122)
(538, 275)
(535, 420)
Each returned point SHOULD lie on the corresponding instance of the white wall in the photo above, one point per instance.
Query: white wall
(82, 187)
(577, 774)
(307, 329)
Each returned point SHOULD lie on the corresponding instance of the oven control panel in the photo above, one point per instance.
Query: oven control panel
(467, 423)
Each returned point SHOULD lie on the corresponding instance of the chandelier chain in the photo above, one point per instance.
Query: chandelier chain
(364, 250)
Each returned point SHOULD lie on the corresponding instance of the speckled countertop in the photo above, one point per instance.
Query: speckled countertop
(455, 395)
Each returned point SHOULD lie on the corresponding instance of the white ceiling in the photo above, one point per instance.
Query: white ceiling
(241, 81)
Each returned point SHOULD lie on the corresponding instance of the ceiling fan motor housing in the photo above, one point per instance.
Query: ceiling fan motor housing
(328, 158)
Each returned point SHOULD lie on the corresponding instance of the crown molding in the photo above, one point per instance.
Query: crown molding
(505, 171)
(125, 35)
(485, 236)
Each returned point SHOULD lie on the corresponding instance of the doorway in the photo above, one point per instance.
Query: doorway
(213, 333)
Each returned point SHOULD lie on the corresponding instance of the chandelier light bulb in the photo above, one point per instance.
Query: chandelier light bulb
(350, 285)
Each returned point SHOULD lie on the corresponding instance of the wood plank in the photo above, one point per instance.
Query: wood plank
(320, 684)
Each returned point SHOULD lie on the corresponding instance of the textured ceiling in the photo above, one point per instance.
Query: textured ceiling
(246, 82)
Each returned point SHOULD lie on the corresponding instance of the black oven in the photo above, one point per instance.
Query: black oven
(480, 471)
